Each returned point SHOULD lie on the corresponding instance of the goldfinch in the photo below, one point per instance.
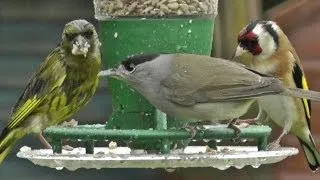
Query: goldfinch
(64, 83)
(273, 54)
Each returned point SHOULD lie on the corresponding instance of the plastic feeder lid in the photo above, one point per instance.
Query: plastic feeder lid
(105, 9)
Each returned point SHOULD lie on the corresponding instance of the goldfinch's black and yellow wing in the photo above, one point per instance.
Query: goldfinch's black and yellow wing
(49, 76)
(301, 82)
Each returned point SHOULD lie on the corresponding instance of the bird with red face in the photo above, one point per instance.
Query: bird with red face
(273, 54)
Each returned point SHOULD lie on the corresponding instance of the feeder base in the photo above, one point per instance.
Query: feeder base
(123, 157)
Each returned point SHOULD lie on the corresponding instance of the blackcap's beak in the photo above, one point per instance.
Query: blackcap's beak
(109, 72)
(239, 51)
(80, 46)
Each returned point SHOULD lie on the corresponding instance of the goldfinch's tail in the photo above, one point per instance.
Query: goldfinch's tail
(8, 138)
(310, 151)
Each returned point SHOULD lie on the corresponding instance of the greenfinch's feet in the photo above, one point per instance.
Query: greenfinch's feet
(43, 141)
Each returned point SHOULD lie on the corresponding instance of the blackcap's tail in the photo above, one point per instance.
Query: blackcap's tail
(302, 93)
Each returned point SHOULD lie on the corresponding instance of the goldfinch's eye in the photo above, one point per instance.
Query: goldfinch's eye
(254, 42)
(88, 34)
(70, 36)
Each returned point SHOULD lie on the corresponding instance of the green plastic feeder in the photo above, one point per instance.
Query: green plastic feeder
(134, 34)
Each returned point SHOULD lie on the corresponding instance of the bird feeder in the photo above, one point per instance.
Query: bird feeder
(152, 140)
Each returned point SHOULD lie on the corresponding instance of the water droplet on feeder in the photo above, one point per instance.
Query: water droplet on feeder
(190, 21)
(218, 140)
(239, 166)
(115, 35)
(223, 167)
(59, 168)
(244, 140)
(189, 31)
(181, 25)
(256, 166)
(170, 170)
(206, 140)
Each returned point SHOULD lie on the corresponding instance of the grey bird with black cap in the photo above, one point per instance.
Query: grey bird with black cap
(196, 87)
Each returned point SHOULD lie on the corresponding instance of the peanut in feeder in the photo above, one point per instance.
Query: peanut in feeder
(132, 27)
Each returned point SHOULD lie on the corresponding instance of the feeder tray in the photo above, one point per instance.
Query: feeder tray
(221, 157)
(124, 157)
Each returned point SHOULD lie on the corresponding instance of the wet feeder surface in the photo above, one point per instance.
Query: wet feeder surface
(123, 157)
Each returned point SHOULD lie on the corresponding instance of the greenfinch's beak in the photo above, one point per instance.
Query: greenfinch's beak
(239, 51)
(80, 46)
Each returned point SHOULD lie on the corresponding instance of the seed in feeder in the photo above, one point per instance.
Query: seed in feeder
(111, 8)
(179, 12)
(115, 35)
(155, 11)
(119, 4)
(192, 8)
(174, 5)
(162, 2)
(141, 6)
(184, 7)
(154, 2)
(146, 10)
(164, 9)
(171, 1)
(161, 13)
(132, 6)
(203, 6)
(147, 2)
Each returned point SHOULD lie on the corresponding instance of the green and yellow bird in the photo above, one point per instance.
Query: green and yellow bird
(64, 83)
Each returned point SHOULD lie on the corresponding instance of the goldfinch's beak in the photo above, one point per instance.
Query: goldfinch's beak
(80, 46)
(239, 51)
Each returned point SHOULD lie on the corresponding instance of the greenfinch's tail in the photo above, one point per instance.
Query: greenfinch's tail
(8, 138)
(310, 151)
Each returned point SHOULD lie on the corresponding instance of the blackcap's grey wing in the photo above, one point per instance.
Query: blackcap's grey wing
(210, 79)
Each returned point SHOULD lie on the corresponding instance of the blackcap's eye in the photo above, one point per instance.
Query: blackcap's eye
(129, 67)
(70, 36)
(88, 34)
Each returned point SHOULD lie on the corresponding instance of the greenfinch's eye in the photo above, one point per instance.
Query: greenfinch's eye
(88, 34)
(70, 36)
